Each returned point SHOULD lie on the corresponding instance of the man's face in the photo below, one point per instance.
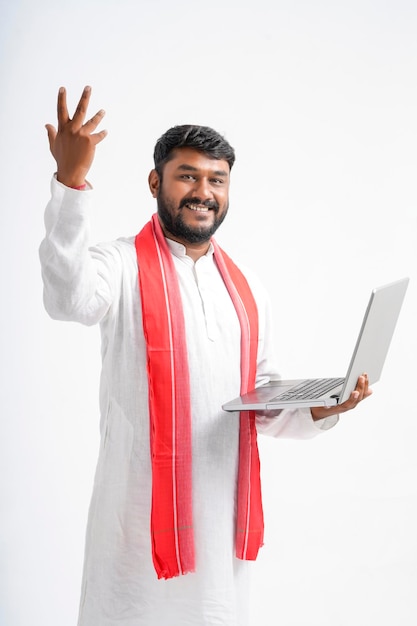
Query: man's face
(193, 197)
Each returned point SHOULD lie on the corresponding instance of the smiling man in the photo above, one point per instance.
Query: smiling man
(192, 190)
(176, 512)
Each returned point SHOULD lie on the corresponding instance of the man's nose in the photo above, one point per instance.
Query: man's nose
(202, 188)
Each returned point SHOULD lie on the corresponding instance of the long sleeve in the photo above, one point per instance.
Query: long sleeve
(78, 280)
(294, 424)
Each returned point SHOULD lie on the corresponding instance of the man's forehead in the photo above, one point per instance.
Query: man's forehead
(190, 159)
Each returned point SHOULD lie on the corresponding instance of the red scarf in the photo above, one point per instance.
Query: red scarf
(170, 413)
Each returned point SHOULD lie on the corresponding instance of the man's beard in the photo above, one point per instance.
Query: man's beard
(175, 225)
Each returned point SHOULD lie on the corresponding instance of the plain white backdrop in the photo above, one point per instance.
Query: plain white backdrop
(319, 99)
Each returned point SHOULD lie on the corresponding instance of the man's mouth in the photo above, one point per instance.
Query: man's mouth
(197, 207)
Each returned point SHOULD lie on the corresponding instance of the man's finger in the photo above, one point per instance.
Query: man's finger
(99, 136)
(62, 109)
(51, 130)
(94, 121)
(81, 110)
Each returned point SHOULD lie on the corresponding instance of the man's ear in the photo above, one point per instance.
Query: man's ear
(154, 183)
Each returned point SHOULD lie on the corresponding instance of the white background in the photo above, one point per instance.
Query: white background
(319, 100)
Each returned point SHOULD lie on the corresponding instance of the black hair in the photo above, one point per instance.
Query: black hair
(201, 138)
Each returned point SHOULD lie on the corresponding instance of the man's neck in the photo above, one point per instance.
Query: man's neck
(194, 250)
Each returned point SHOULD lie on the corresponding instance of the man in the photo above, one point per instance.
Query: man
(176, 515)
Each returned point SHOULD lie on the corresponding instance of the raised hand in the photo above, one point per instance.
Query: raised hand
(73, 144)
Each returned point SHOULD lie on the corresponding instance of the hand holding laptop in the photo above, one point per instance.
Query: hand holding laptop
(361, 391)
(331, 396)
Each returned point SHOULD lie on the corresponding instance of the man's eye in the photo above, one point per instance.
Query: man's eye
(217, 181)
(187, 177)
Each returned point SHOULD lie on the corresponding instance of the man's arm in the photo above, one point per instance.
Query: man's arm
(307, 423)
(79, 282)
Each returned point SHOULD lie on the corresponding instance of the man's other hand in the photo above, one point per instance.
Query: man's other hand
(361, 391)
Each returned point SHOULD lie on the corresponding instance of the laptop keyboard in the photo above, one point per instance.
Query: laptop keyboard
(313, 388)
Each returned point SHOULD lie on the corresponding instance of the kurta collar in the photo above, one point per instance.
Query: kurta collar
(179, 250)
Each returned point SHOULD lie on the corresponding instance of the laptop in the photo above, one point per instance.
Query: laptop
(369, 355)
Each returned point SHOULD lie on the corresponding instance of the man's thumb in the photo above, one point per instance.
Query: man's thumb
(51, 134)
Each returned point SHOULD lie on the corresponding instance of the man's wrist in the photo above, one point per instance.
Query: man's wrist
(77, 185)
(318, 413)
(74, 182)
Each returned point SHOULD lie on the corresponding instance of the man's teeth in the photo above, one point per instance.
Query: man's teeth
(198, 207)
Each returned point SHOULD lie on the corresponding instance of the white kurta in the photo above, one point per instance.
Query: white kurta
(100, 285)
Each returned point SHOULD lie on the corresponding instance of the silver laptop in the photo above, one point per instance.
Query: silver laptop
(368, 356)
